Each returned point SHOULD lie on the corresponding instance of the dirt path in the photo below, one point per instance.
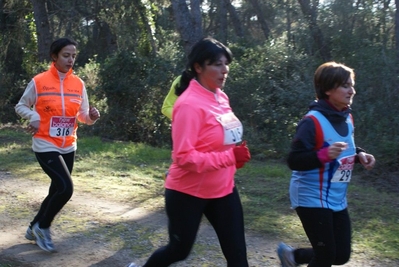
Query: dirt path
(85, 242)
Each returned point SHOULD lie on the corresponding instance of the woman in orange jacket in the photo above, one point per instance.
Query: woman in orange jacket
(59, 100)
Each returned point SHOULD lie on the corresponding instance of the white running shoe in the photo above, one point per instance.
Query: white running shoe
(43, 238)
(29, 234)
(286, 255)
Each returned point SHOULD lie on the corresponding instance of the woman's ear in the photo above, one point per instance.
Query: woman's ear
(54, 57)
(197, 68)
(329, 92)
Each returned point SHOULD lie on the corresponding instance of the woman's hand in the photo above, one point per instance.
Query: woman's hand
(242, 154)
(33, 127)
(367, 160)
(94, 113)
(336, 149)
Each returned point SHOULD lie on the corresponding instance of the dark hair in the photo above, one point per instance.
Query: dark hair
(331, 75)
(60, 43)
(206, 49)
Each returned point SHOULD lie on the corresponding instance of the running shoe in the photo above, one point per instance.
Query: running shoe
(43, 238)
(286, 255)
(29, 234)
(132, 264)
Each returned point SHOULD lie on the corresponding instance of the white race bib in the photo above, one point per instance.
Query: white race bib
(62, 126)
(232, 128)
(344, 172)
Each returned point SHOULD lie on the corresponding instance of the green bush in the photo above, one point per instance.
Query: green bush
(133, 89)
(270, 88)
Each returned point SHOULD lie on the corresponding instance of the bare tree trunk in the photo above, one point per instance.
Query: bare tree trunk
(397, 34)
(143, 15)
(189, 25)
(222, 19)
(2, 16)
(353, 20)
(261, 18)
(234, 19)
(42, 29)
(310, 13)
(383, 19)
(107, 40)
(196, 14)
(288, 11)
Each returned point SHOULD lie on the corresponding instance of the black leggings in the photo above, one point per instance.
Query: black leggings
(185, 212)
(330, 235)
(61, 187)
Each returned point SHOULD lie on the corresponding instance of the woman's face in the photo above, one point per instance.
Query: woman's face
(213, 76)
(342, 96)
(65, 59)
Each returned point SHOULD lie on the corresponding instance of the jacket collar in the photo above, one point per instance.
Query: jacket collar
(54, 71)
(197, 87)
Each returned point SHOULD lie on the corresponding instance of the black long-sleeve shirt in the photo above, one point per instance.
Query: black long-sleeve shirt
(302, 156)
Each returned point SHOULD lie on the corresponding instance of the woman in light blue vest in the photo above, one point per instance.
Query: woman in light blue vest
(322, 157)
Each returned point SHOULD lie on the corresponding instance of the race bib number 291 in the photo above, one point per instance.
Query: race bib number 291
(344, 171)
(62, 126)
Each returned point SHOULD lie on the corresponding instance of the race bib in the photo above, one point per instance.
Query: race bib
(62, 126)
(232, 128)
(344, 172)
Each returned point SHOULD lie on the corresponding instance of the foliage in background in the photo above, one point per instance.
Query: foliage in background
(130, 52)
(269, 88)
(133, 89)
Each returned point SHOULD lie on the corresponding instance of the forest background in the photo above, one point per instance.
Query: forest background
(130, 51)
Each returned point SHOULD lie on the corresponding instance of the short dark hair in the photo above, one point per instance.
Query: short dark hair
(206, 49)
(331, 75)
(60, 43)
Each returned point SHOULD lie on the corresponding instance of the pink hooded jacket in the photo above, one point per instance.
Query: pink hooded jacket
(203, 166)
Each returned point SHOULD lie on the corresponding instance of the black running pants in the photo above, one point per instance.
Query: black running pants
(329, 233)
(61, 187)
(185, 212)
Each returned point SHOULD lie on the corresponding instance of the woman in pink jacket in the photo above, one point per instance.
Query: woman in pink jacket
(205, 134)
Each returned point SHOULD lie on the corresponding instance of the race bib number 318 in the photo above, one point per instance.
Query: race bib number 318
(62, 126)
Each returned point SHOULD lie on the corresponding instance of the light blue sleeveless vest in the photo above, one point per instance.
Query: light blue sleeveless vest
(316, 188)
